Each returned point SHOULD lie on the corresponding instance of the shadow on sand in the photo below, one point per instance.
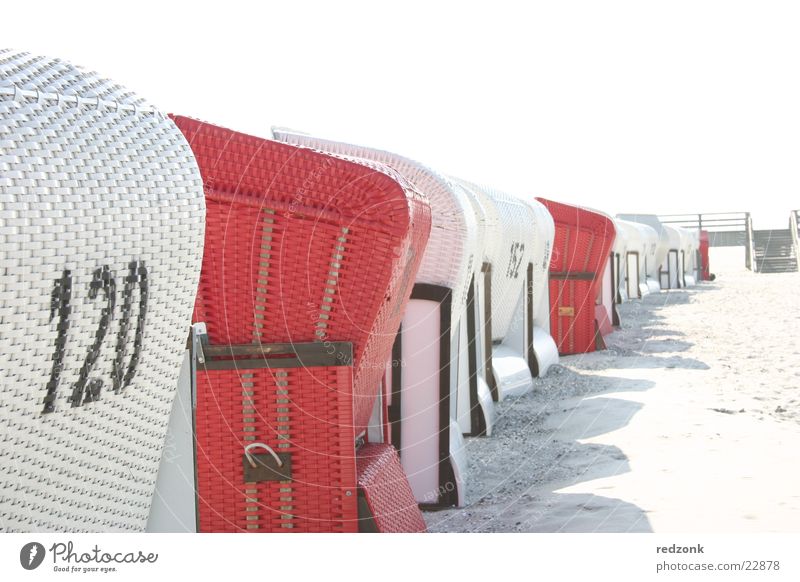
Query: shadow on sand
(516, 475)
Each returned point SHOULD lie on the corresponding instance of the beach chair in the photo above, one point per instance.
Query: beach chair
(545, 351)
(614, 289)
(705, 269)
(690, 244)
(101, 238)
(671, 270)
(584, 239)
(512, 252)
(657, 250)
(639, 239)
(308, 267)
(423, 411)
(628, 260)
(476, 409)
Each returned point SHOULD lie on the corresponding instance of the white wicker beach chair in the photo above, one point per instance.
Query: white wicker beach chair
(475, 411)
(423, 409)
(634, 268)
(613, 289)
(671, 272)
(101, 238)
(626, 240)
(545, 350)
(657, 254)
(690, 245)
(518, 259)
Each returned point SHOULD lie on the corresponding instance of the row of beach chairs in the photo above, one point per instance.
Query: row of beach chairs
(205, 330)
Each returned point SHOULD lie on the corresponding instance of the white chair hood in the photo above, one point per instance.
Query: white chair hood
(101, 220)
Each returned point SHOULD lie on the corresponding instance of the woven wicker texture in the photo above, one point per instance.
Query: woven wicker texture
(651, 243)
(659, 253)
(302, 246)
(449, 255)
(583, 241)
(621, 239)
(388, 494)
(690, 241)
(101, 237)
(303, 412)
(635, 237)
(512, 250)
(705, 267)
(543, 240)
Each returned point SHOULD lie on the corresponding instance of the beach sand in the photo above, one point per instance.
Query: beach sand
(689, 422)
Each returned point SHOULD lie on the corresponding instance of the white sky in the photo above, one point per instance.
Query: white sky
(678, 106)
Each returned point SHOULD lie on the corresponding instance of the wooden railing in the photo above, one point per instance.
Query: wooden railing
(794, 228)
(725, 229)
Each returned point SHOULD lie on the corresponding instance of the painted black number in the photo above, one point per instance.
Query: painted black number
(87, 389)
(137, 275)
(517, 252)
(59, 303)
(83, 388)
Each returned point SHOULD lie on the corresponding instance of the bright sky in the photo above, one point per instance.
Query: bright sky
(679, 106)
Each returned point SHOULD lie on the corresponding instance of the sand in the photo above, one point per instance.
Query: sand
(689, 422)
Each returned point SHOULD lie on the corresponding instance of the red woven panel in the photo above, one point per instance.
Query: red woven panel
(388, 494)
(572, 316)
(583, 241)
(604, 323)
(305, 412)
(704, 244)
(303, 246)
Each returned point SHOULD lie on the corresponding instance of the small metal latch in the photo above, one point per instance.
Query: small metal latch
(199, 339)
(566, 311)
(271, 466)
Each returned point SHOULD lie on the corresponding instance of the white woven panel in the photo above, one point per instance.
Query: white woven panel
(690, 242)
(633, 235)
(655, 256)
(450, 254)
(93, 182)
(651, 242)
(621, 239)
(635, 241)
(488, 222)
(544, 233)
(512, 250)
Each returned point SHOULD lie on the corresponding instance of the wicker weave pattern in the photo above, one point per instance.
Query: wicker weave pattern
(583, 241)
(513, 249)
(84, 186)
(487, 221)
(633, 235)
(48, 75)
(299, 411)
(690, 244)
(388, 494)
(302, 246)
(449, 254)
(657, 254)
(650, 247)
(543, 240)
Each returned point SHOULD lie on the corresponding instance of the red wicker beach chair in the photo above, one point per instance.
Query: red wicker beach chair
(309, 262)
(583, 241)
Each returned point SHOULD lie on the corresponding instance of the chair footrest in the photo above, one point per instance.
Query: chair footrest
(385, 500)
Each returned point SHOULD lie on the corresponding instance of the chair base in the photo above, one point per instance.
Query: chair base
(545, 350)
(654, 286)
(511, 372)
(487, 406)
(386, 503)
